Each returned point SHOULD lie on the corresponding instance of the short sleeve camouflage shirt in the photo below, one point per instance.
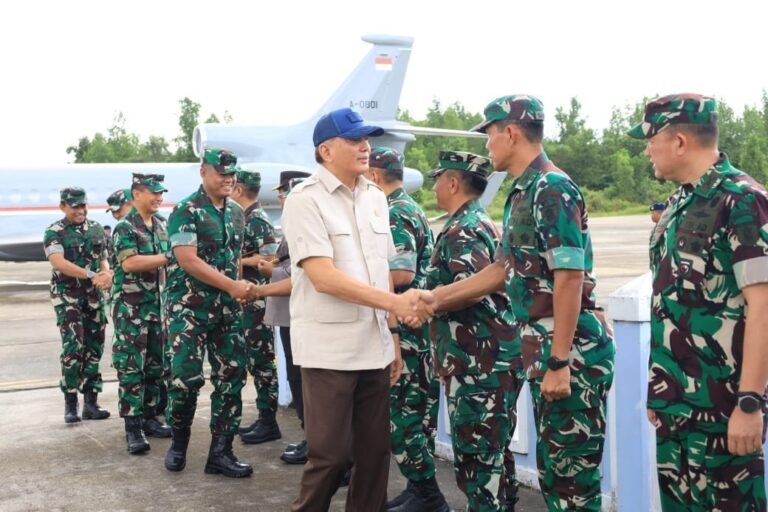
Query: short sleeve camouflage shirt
(141, 290)
(710, 243)
(481, 338)
(259, 239)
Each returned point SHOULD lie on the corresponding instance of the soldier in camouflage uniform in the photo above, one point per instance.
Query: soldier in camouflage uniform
(76, 248)
(709, 360)
(204, 286)
(119, 203)
(545, 261)
(477, 347)
(414, 398)
(259, 243)
(140, 243)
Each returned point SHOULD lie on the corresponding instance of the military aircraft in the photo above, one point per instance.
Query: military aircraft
(29, 196)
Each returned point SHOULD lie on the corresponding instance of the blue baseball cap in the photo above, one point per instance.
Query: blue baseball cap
(657, 207)
(345, 123)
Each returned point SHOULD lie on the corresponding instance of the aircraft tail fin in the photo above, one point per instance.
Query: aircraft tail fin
(373, 88)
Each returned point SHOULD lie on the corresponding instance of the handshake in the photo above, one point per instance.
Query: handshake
(414, 307)
(244, 291)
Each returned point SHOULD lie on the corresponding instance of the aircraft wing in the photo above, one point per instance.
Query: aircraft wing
(437, 132)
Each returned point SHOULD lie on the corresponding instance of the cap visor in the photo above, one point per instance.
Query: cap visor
(481, 127)
(434, 172)
(637, 132)
(363, 131)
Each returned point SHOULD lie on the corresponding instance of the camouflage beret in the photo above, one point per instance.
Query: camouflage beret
(292, 184)
(251, 178)
(287, 176)
(388, 159)
(517, 107)
(686, 108)
(73, 196)
(462, 161)
(117, 199)
(224, 161)
(153, 182)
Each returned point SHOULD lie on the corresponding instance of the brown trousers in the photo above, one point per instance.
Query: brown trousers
(346, 417)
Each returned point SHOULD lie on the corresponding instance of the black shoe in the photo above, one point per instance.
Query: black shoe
(134, 436)
(266, 429)
(221, 459)
(154, 428)
(248, 428)
(176, 457)
(426, 497)
(402, 498)
(91, 409)
(296, 456)
(70, 408)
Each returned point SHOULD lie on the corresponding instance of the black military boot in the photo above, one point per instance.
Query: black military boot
(176, 456)
(265, 430)
(402, 498)
(297, 455)
(221, 459)
(91, 409)
(426, 497)
(155, 428)
(248, 428)
(134, 436)
(70, 408)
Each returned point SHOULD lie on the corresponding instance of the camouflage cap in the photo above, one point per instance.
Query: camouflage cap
(73, 196)
(516, 107)
(117, 199)
(388, 159)
(685, 108)
(251, 178)
(287, 176)
(153, 182)
(224, 161)
(462, 161)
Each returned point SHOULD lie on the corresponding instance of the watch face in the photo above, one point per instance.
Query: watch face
(749, 404)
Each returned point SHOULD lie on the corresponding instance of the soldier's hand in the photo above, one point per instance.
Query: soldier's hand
(556, 384)
(745, 432)
(102, 280)
(265, 268)
(653, 418)
(395, 368)
(422, 306)
(239, 290)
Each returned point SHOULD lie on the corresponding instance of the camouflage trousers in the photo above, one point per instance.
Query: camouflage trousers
(483, 416)
(697, 473)
(137, 355)
(411, 442)
(430, 385)
(82, 345)
(191, 332)
(260, 351)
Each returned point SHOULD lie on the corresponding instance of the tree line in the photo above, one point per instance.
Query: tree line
(610, 167)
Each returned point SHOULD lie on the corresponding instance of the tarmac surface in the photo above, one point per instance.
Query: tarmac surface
(48, 465)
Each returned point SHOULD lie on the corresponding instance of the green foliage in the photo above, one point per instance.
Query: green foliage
(120, 145)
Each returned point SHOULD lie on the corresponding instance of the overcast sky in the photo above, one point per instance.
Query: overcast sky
(67, 67)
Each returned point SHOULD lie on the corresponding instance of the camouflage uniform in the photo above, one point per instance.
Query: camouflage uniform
(137, 353)
(546, 229)
(115, 202)
(414, 398)
(77, 302)
(710, 243)
(259, 338)
(201, 317)
(477, 352)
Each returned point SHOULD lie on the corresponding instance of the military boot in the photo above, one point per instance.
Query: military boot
(134, 436)
(70, 408)
(248, 428)
(403, 497)
(426, 497)
(221, 459)
(91, 409)
(176, 457)
(266, 429)
(153, 427)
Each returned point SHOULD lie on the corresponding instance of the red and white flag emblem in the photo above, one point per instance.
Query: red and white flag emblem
(383, 62)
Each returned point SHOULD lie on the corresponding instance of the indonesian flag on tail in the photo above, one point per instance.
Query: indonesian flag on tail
(383, 62)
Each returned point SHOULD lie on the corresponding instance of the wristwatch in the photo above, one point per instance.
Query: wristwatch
(169, 254)
(750, 402)
(89, 274)
(395, 330)
(555, 364)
